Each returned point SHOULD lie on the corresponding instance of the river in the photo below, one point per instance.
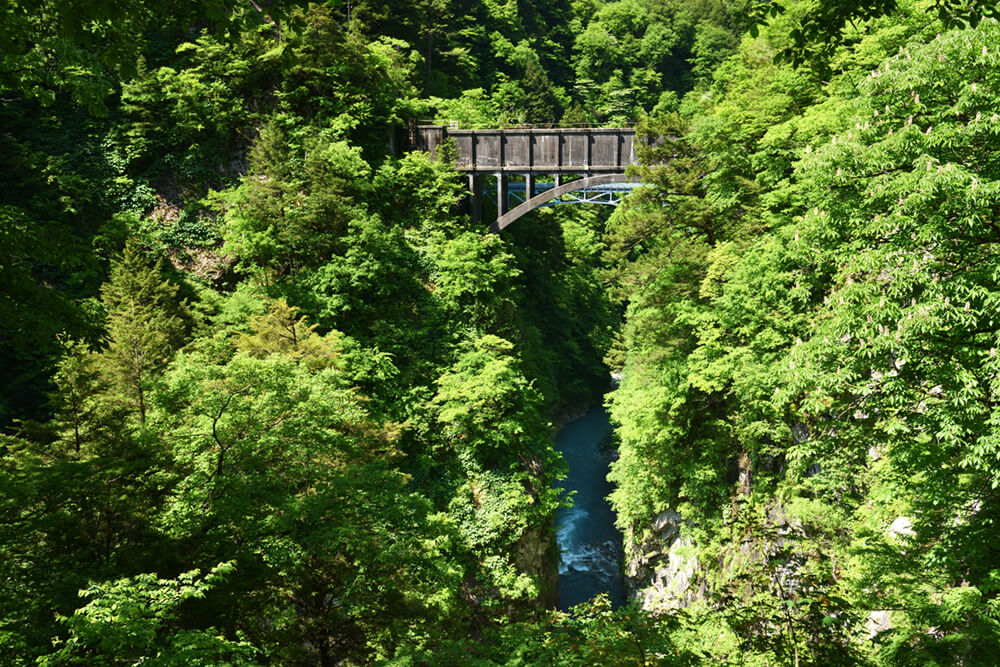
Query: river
(590, 544)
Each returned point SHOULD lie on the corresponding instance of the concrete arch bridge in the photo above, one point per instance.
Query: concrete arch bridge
(586, 165)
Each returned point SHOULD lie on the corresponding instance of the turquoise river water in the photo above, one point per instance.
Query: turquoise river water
(589, 543)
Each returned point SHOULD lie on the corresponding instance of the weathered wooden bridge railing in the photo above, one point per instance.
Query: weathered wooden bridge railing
(598, 155)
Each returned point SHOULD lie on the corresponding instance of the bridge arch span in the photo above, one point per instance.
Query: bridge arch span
(531, 204)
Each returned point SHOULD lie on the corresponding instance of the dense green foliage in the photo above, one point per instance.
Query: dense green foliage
(270, 397)
(809, 350)
(247, 336)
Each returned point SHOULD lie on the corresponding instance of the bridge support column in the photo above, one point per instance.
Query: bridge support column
(529, 186)
(558, 178)
(475, 205)
(502, 200)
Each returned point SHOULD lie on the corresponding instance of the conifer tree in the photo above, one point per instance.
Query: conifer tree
(540, 101)
(77, 380)
(281, 330)
(144, 327)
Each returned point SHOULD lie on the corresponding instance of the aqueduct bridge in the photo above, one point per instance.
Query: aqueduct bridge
(586, 165)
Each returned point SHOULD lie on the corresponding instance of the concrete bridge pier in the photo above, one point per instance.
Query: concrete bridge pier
(503, 198)
(474, 199)
(475, 202)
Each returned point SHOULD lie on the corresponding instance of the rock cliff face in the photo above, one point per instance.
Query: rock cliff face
(538, 556)
(660, 565)
(662, 571)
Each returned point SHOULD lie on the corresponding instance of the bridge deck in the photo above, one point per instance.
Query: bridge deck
(568, 150)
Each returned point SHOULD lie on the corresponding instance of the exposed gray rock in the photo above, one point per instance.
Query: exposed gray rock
(538, 556)
(667, 524)
(901, 527)
(878, 622)
(672, 585)
(661, 568)
(800, 432)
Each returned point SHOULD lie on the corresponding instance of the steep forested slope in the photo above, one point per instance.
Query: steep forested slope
(808, 408)
(248, 336)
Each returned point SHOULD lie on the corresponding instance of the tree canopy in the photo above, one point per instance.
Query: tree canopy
(271, 397)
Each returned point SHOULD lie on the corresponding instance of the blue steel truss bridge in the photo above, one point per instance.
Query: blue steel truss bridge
(578, 165)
